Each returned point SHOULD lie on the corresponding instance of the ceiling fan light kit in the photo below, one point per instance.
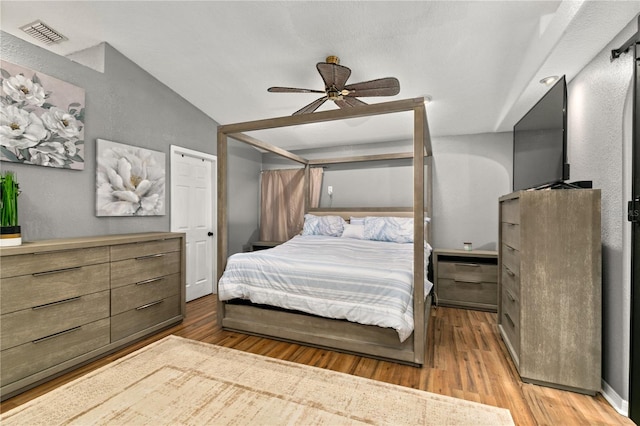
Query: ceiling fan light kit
(335, 78)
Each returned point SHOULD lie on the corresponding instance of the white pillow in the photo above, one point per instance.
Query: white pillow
(391, 229)
(353, 231)
(323, 225)
(356, 220)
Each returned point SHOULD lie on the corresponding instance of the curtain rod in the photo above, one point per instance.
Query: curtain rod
(616, 53)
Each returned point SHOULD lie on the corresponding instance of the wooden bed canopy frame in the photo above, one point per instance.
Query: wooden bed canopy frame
(328, 333)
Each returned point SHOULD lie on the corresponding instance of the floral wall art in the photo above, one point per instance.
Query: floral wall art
(41, 119)
(130, 181)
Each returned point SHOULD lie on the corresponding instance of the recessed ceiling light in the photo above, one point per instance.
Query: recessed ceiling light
(548, 81)
(42, 32)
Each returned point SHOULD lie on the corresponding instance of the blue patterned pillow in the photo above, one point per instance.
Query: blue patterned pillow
(392, 229)
(331, 226)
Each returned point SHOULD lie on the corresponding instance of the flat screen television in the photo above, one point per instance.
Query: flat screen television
(540, 142)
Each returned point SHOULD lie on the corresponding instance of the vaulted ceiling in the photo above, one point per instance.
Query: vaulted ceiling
(479, 61)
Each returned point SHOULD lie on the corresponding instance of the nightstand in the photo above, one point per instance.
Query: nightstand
(262, 245)
(466, 279)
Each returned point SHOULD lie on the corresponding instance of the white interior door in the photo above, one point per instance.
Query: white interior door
(193, 198)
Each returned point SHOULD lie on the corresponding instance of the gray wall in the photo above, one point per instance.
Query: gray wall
(470, 172)
(245, 164)
(124, 104)
(598, 149)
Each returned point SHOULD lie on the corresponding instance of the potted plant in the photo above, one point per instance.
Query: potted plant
(9, 229)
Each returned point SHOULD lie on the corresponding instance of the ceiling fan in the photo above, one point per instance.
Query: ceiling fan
(336, 89)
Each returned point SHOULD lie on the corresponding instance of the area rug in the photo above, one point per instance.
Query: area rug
(177, 381)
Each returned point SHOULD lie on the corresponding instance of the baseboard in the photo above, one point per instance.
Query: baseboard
(616, 401)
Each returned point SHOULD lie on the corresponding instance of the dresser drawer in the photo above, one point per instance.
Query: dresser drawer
(145, 267)
(511, 234)
(148, 248)
(145, 316)
(131, 296)
(483, 293)
(32, 324)
(510, 324)
(27, 291)
(468, 271)
(48, 261)
(510, 281)
(30, 358)
(511, 259)
(510, 211)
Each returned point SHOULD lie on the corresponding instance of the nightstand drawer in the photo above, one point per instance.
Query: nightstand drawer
(483, 293)
(32, 357)
(49, 261)
(144, 316)
(510, 210)
(144, 267)
(131, 296)
(511, 234)
(468, 271)
(32, 324)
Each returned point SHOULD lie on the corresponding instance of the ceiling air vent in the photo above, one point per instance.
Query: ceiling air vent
(43, 32)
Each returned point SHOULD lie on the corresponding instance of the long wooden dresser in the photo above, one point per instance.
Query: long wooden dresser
(64, 302)
(549, 286)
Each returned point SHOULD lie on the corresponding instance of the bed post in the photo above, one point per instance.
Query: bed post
(307, 189)
(222, 215)
(419, 332)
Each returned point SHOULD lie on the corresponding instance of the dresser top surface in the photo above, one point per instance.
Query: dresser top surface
(85, 242)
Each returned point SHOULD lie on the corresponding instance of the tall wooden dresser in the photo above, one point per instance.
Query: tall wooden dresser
(64, 302)
(549, 286)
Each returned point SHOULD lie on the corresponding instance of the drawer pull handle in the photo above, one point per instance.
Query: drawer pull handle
(150, 256)
(472, 265)
(513, 324)
(468, 281)
(57, 271)
(43, 339)
(510, 248)
(59, 302)
(510, 272)
(513, 299)
(148, 305)
(152, 280)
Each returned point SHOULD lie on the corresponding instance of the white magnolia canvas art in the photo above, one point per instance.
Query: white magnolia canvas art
(41, 119)
(130, 181)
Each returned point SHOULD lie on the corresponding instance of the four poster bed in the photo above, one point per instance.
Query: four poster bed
(329, 265)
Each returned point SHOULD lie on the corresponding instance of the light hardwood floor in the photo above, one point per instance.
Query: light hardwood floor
(465, 359)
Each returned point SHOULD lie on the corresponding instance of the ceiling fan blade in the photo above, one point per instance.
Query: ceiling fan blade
(389, 86)
(312, 106)
(292, 90)
(333, 74)
(349, 102)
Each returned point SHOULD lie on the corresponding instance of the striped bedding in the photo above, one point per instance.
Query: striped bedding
(363, 281)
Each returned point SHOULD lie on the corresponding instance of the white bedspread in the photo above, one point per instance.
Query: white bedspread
(363, 281)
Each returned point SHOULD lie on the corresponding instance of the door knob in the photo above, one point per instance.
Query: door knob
(210, 234)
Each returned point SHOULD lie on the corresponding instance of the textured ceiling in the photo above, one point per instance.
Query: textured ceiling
(480, 61)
